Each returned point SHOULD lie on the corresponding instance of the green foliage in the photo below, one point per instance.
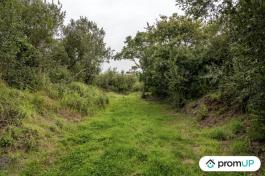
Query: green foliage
(84, 44)
(219, 134)
(241, 78)
(41, 21)
(29, 51)
(217, 46)
(202, 112)
(22, 71)
(168, 53)
(117, 82)
(124, 140)
(27, 118)
(27, 30)
(138, 86)
(214, 96)
(21, 138)
(10, 111)
(6, 141)
(81, 98)
(257, 130)
(60, 75)
(240, 147)
(237, 127)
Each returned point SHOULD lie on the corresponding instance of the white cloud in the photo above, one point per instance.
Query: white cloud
(119, 18)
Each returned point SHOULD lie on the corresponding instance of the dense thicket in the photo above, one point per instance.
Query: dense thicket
(118, 82)
(216, 46)
(172, 58)
(36, 47)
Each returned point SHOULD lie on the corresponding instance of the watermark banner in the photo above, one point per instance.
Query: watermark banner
(230, 163)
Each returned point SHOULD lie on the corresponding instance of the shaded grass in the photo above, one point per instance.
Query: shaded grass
(132, 137)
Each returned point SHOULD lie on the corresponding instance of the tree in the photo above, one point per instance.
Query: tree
(27, 29)
(84, 44)
(243, 22)
(169, 59)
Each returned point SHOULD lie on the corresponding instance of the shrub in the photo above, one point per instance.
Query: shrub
(82, 98)
(117, 82)
(60, 75)
(6, 141)
(138, 86)
(22, 70)
(76, 102)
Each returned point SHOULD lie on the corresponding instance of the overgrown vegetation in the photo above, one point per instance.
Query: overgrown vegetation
(118, 82)
(30, 54)
(216, 47)
(28, 120)
(40, 62)
(212, 56)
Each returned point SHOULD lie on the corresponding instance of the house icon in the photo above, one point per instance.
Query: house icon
(210, 163)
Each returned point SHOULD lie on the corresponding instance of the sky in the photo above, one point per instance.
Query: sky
(119, 18)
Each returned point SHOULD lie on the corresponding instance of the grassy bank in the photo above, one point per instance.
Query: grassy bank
(32, 123)
(134, 137)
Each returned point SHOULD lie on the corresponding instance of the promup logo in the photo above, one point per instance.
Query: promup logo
(210, 163)
(230, 163)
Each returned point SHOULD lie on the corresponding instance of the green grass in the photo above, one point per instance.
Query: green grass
(130, 137)
(32, 123)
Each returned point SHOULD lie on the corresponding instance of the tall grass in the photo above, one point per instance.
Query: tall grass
(29, 117)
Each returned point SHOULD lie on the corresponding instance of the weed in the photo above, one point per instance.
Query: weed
(219, 134)
(236, 127)
(6, 141)
(202, 112)
(256, 131)
(240, 147)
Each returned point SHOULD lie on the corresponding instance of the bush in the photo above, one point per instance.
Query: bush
(117, 82)
(22, 70)
(60, 75)
(82, 98)
(6, 141)
(138, 86)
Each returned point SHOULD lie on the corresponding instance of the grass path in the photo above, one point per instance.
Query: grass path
(132, 137)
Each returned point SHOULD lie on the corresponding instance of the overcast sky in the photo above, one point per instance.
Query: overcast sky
(119, 18)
